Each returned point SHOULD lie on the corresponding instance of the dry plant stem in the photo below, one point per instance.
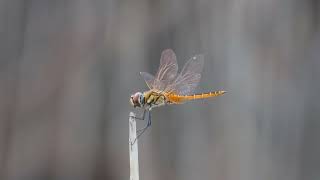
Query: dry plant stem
(133, 148)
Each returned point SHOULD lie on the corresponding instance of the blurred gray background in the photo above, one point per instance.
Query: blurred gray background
(68, 68)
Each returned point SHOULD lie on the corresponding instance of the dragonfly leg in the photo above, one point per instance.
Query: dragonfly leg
(147, 125)
(143, 116)
(142, 130)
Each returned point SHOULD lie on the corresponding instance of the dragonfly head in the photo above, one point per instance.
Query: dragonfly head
(136, 99)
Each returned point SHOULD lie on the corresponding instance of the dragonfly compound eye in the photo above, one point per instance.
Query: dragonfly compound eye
(135, 99)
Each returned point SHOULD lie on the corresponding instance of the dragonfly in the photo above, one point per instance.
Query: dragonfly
(168, 86)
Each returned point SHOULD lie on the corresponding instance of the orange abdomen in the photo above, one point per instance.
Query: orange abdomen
(177, 99)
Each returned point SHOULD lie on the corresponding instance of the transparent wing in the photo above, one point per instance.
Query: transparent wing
(189, 77)
(167, 71)
(151, 81)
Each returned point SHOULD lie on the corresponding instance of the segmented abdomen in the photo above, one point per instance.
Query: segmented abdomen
(176, 99)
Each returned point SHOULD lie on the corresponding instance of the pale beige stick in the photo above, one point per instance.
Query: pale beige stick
(133, 148)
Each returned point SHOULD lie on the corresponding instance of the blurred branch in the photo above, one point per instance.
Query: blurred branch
(133, 148)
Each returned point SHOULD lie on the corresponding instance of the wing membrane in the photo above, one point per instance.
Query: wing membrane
(148, 78)
(167, 71)
(151, 81)
(189, 77)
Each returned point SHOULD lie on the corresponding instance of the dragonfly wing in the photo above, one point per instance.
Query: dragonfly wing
(167, 71)
(151, 82)
(148, 78)
(189, 77)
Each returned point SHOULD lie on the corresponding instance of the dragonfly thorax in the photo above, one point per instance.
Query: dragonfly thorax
(148, 99)
(154, 98)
